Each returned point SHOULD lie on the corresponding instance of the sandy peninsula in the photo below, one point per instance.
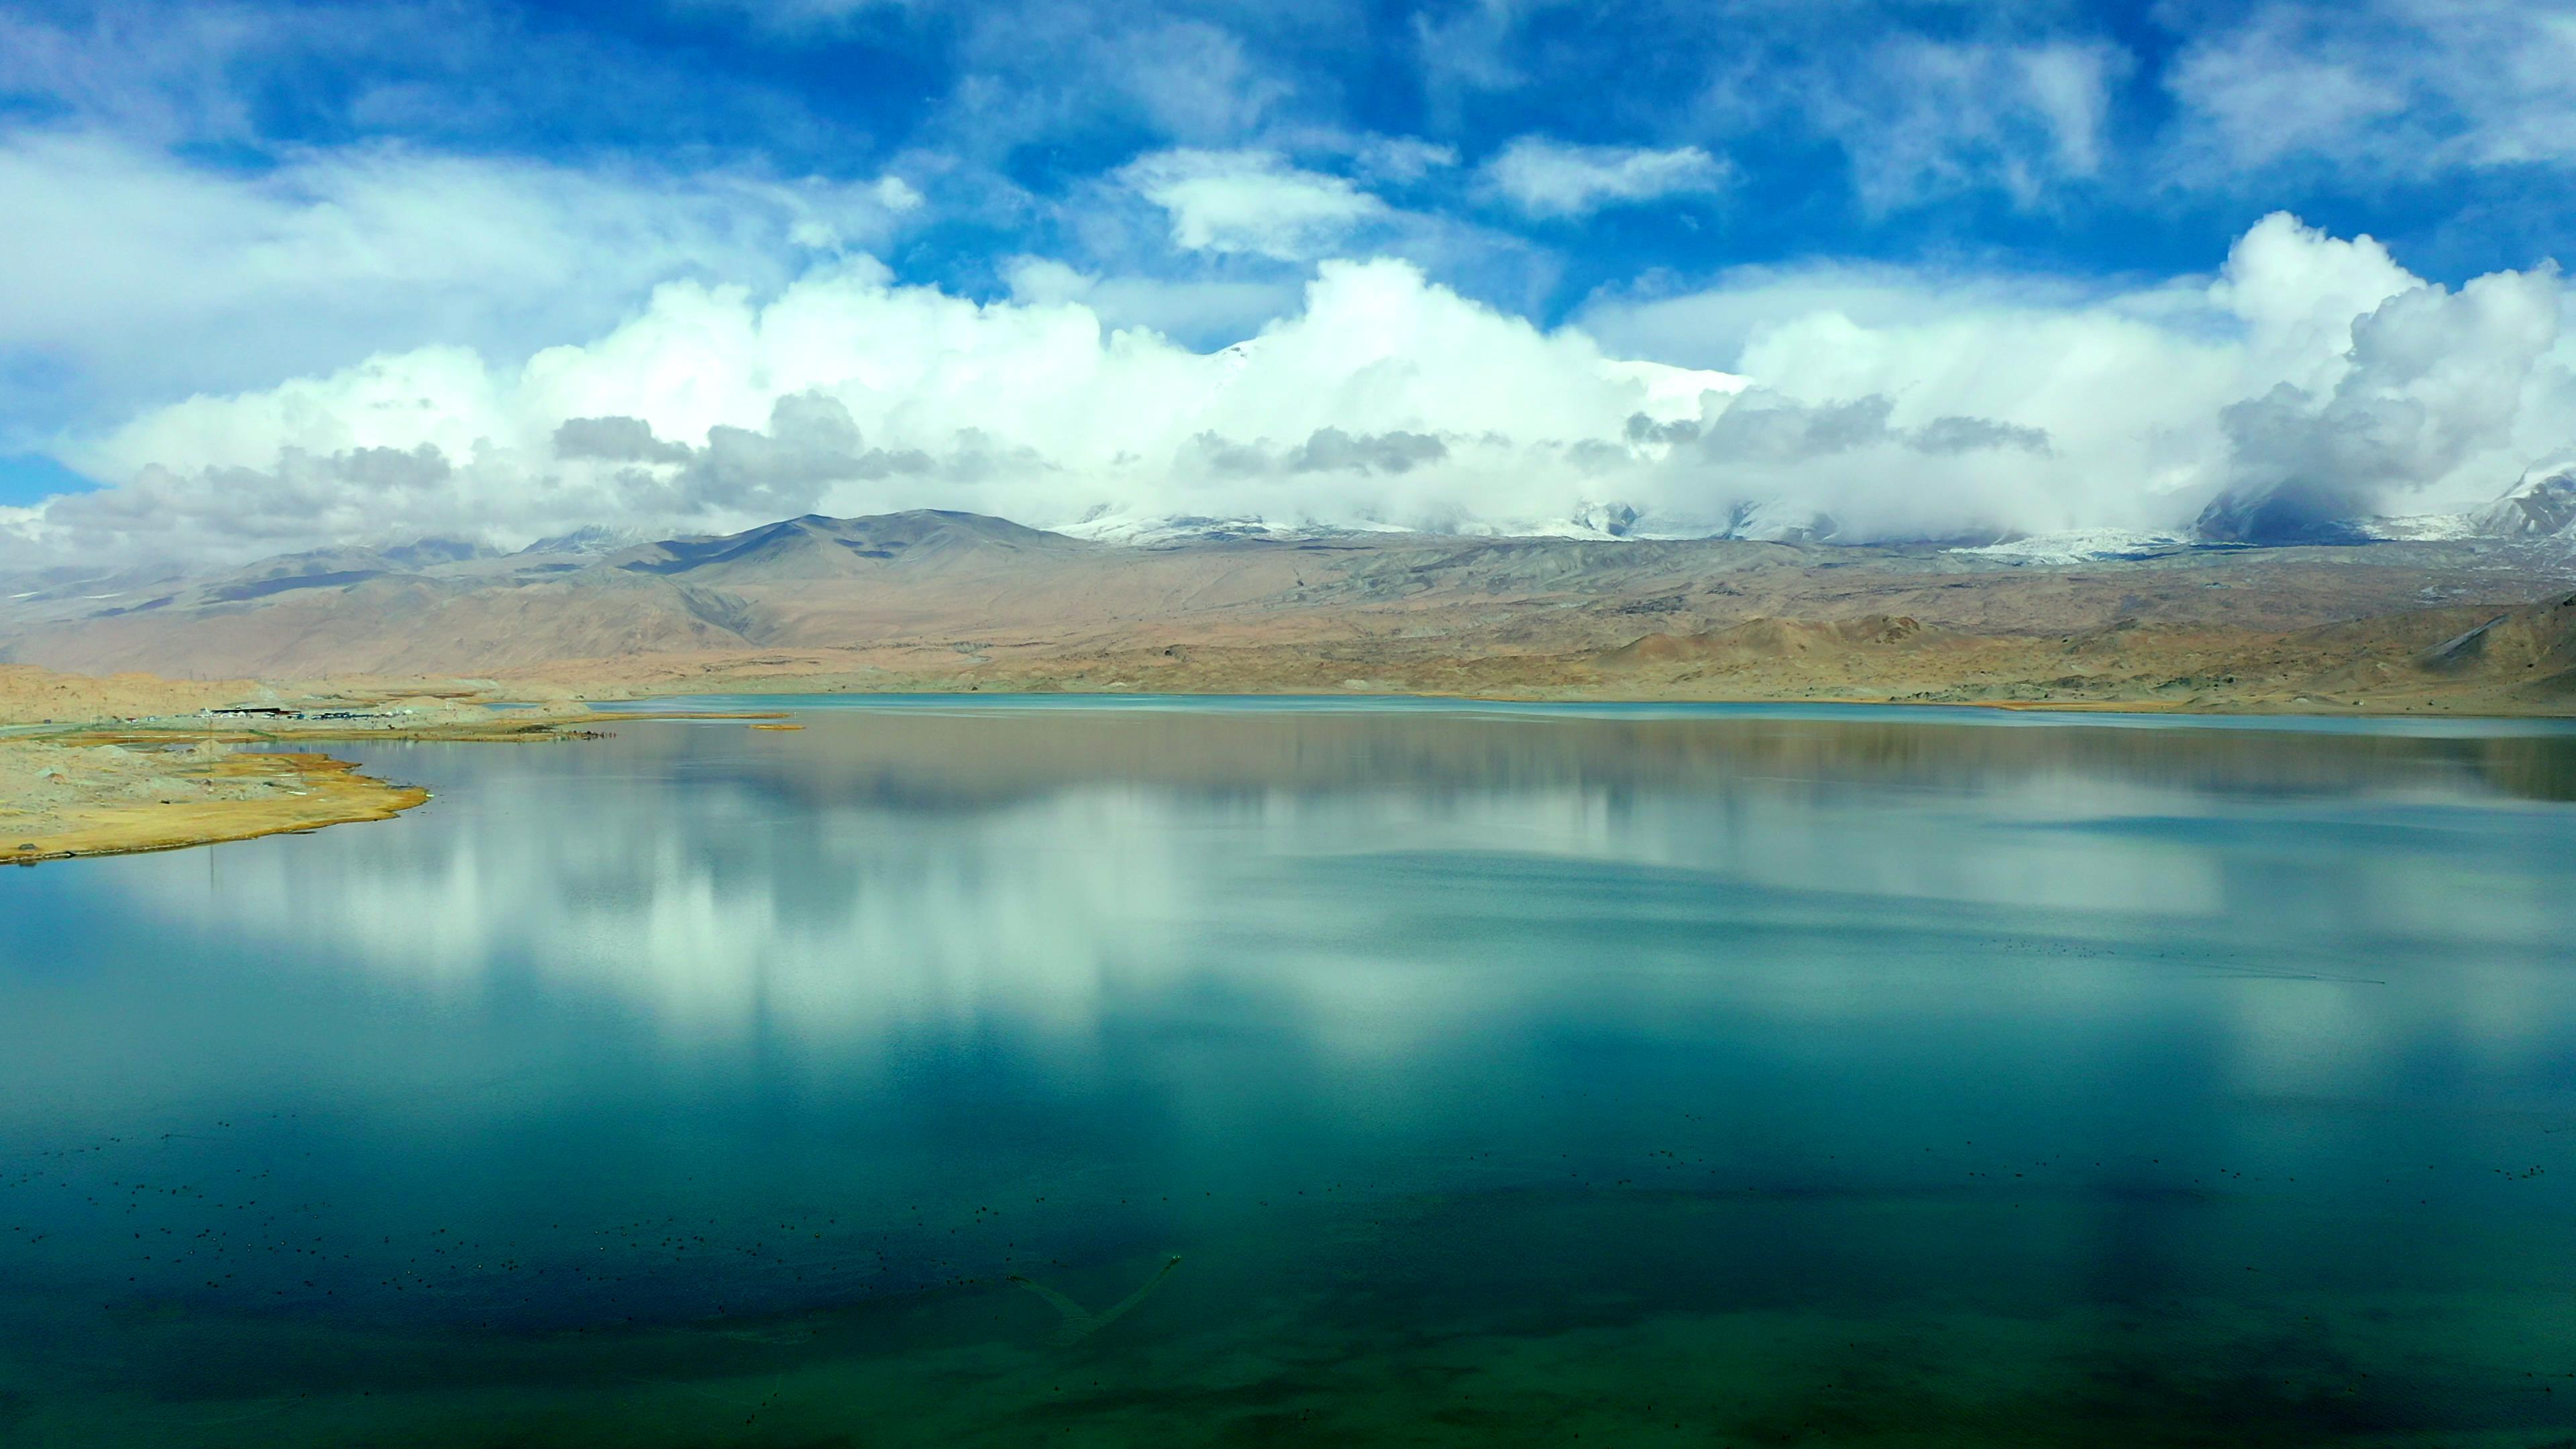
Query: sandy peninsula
(129, 763)
(66, 800)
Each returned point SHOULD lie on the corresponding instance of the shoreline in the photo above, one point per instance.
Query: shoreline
(2162, 708)
(130, 764)
(2299, 706)
(240, 796)
(152, 782)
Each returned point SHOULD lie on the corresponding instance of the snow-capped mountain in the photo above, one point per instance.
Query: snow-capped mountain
(2542, 505)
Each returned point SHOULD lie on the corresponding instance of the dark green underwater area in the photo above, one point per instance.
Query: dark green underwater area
(1266, 1072)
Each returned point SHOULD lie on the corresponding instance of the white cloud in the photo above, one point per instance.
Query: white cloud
(1468, 50)
(1924, 100)
(1016, 74)
(2401, 88)
(1250, 201)
(2258, 98)
(2133, 389)
(1940, 116)
(789, 15)
(1920, 118)
(2298, 291)
(159, 73)
(1402, 160)
(1190, 79)
(254, 77)
(147, 274)
(1549, 178)
(1223, 309)
(1900, 403)
(2432, 378)
(1385, 396)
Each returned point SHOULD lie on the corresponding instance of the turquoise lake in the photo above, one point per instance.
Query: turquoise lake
(1189, 1072)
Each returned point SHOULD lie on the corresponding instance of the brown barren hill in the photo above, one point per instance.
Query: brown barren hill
(2532, 650)
(945, 601)
(2522, 661)
(30, 695)
(1757, 640)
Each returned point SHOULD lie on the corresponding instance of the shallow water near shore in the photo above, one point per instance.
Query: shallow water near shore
(1497, 1075)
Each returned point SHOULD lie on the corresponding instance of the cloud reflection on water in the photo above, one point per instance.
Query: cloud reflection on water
(1465, 1031)
(883, 874)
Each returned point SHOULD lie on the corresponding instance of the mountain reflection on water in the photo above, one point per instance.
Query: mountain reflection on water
(1498, 1076)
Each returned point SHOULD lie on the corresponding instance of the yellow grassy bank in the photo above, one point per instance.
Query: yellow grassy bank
(103, 800)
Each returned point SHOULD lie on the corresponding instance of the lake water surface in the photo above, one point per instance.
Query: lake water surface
(1206, 1073)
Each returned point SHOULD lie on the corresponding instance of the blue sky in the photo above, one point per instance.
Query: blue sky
(1872, 130)
(229, 198)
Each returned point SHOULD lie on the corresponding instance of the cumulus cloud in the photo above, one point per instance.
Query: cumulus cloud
(2432, 377)
(1770, 466)
(1762, 425)
(1550, 178)
(594, 470)
(2297, 291)
(615, 440)
(1330, 449)
(811, 444)
(2310, 375)
(297, 499)
(1325, 450)
(2307, 357)
(1215, 310)
(1383, 396)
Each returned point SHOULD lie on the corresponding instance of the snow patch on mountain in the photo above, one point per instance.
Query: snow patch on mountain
(2092, 545)
(2541, 505)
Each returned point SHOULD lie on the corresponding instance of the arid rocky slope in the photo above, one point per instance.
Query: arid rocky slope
(958, 601)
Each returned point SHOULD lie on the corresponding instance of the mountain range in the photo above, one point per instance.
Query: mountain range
(958, 600)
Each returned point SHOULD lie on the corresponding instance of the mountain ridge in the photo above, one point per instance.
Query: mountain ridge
(951, 598)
